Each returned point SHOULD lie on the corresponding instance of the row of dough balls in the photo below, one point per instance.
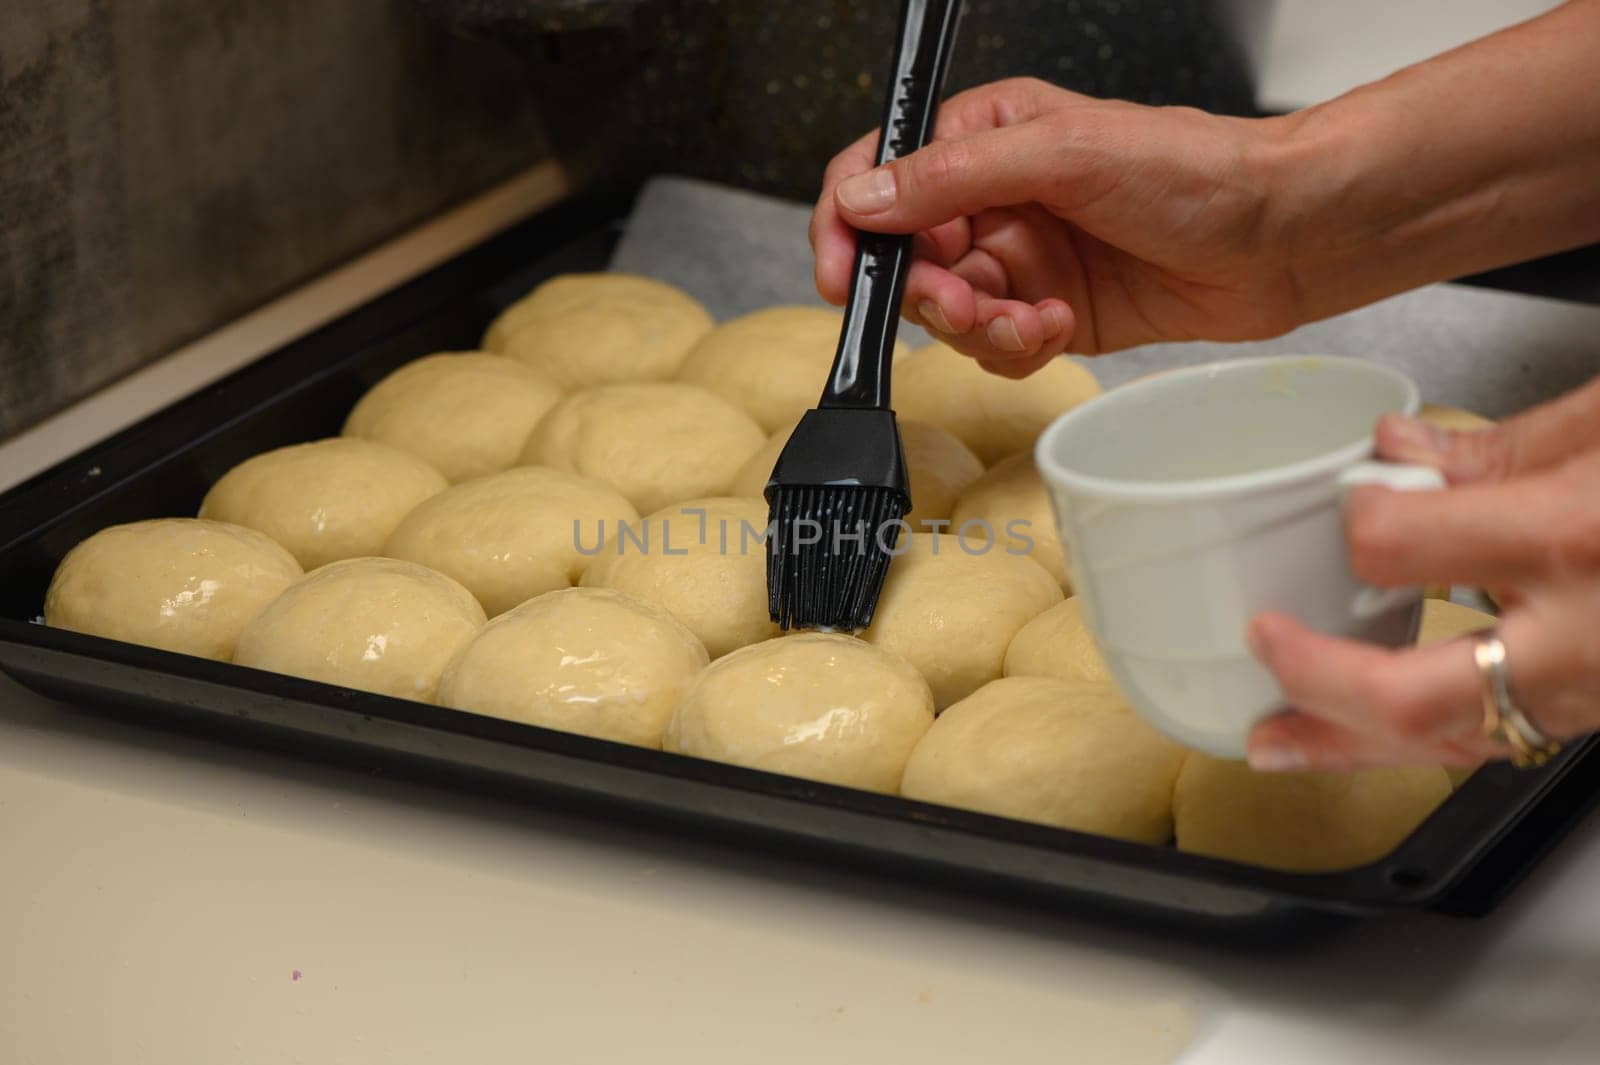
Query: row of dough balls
(472, 413)
(1052, 741)
(951, 603)
(586, 330)
(193, 585)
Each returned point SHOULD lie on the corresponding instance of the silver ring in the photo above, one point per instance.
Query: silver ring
(1529, 744)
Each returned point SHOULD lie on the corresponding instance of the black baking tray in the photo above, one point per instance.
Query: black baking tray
(1462, 860)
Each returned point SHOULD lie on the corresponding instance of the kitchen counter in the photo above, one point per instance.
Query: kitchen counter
(176, 901)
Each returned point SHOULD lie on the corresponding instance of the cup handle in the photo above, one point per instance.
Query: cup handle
(1370, 602)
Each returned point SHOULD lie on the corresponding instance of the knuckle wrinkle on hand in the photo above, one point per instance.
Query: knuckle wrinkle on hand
(937, 168)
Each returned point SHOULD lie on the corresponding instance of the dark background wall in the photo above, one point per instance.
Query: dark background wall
(761, 93)
(166, 165)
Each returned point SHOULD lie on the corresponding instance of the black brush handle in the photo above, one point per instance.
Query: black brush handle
(860, 375)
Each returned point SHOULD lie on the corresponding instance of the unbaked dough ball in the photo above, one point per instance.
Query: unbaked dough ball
(1453, 418)
(814, 705)
(1011, 503)
(1443, 620)
(377, 624)
(952, 611)
(513, 535)
(993, 415)
(1301, 822)
(939, 466)
(466, 414)
(751, 480)
(773, 363)
(326, 500)
(1147, 376)
(598, 329)
(1057, 644)
(589, 660)
(705, 561)
(1062, 753)
(179, 584)
(658, 444)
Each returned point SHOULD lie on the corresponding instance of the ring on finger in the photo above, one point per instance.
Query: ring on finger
(1504, 723)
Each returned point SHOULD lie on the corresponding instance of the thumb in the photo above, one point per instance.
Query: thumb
(951, 179)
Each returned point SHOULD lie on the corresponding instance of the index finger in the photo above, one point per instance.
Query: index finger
(832, 240)
(1483, 535)
(1536, 439)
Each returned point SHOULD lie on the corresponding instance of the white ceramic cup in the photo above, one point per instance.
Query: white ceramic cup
(1191, 501)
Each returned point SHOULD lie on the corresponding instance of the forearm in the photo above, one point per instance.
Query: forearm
(1484, 156)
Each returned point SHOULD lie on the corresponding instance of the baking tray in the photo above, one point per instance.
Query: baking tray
(1462, 860)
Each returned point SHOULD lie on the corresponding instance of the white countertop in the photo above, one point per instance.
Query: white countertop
(176, 901)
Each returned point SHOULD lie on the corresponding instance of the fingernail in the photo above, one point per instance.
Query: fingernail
(868, 193)
(1002, 333)
(934, 316)
(1277, 759)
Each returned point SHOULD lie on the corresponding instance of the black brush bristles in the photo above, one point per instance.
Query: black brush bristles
(837, 497)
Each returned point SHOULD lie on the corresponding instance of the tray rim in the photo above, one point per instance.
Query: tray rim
(1368, 889)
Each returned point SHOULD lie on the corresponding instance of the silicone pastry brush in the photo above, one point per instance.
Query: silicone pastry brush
(839, 491)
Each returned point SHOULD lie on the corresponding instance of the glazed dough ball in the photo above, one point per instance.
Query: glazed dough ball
(513, 535)
(772, 363)
(940, 468)
(993, 415)
(952, 611)
(1301, 822)
(1057, 644)
(180, 584)
(466, 414)
(584, 330)
(326, 500)
(1011, 502)
(814, 705)
(657, 444)
(705, 562)
(1453, 418)
(1058, 752)
(589, 660)
(376, 624)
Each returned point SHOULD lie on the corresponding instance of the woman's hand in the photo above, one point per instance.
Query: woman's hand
(1522, 520)
(1049, 222)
